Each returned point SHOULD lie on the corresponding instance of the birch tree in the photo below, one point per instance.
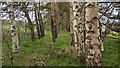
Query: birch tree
(77, 30)
(14, 33)
(93, 41)
(71, 26)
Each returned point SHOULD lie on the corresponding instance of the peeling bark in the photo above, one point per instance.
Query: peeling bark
(93, 40)
(78, 30)
(14, 34)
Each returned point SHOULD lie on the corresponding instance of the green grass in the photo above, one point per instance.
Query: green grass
(110, 56)
(32, 53)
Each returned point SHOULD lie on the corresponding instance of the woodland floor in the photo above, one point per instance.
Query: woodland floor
(44, 52)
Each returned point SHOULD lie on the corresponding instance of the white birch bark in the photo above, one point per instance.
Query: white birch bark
(93, 41)
(14, 33)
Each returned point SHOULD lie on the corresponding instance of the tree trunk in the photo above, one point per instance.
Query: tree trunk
(24, 7)
(36, 19)
(71, 27)
(41, 22)
(77, 29)
(14, 34)
(53, 21)
(93, 40)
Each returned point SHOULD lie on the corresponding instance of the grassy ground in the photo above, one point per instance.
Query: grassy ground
(44, 52)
